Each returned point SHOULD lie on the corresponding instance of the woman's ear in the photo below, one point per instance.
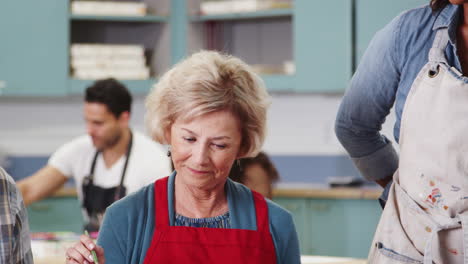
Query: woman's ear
(241, 154)
(167, 136)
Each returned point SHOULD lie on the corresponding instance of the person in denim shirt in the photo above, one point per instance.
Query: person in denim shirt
(416, 64)
(382, 80)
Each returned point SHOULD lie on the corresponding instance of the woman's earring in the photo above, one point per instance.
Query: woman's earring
(169, 151)
(239, 165)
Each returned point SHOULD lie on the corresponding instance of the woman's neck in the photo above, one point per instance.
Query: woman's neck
(194, 202)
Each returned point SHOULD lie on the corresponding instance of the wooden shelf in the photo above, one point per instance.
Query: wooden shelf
(78, 86)
(147, 18)
(263, 14)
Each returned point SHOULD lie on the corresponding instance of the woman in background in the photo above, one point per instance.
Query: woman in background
(211, 110)
(257, 173)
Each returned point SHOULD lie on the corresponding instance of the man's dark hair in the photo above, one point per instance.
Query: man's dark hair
(437, 5)
(111, 93)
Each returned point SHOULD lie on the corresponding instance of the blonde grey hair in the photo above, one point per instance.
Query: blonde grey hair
(206, 82)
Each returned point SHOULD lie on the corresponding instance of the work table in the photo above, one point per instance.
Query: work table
(325, 192)
(311, 191)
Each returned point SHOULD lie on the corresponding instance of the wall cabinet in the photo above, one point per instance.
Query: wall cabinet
(33, 47)
(323, 45)
(334, 227)
(262, 38)
(372, 15)
(149, 31)
(324, 41)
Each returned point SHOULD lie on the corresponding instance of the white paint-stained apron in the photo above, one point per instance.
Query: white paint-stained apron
(425, 219)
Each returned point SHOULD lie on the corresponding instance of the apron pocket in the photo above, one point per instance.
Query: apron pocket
(390, 253)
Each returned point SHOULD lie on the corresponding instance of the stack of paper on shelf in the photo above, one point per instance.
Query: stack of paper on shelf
(109, 8)
(98, 61)
(240, 6)
(288, 67)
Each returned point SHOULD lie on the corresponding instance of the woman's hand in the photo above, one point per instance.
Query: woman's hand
(81, 252)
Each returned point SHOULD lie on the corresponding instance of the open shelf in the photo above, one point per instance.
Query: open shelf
(134, 86)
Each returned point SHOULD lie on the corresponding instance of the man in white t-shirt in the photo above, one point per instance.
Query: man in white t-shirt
(108, 163)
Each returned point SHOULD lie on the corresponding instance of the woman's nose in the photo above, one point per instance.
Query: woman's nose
(201, 155)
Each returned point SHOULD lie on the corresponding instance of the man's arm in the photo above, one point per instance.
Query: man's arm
(41, 184)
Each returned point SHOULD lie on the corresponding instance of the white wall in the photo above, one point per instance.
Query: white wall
(298, 124)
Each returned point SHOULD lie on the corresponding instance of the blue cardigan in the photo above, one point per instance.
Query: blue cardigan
(128, 226)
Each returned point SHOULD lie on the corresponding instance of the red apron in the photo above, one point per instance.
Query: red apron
(180, 244)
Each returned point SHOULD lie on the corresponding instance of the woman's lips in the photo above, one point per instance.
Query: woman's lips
(197, 171)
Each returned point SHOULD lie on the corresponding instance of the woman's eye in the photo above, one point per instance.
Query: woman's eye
(189, 139)
(220, 146)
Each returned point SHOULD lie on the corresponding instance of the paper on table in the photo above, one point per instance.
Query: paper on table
(330, 260)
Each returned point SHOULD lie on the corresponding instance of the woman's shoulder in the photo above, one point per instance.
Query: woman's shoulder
(409, 22)
(417, 19)
(275, 211)
(139, 201)
(277, 214)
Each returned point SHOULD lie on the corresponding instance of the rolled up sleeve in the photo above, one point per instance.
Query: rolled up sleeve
(367, 102)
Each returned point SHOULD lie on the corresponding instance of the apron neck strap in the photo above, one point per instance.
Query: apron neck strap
(161, 203)
(122, 177)
(437, 51)
(162, 210)
(261, 211)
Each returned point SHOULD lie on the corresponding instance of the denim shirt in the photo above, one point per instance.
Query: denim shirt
(383, 79)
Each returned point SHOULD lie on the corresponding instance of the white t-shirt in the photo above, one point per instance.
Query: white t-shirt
(148, 162)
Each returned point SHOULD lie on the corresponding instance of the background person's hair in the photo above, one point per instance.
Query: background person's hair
(437, 5)
(111, 93)
(237, 172)
(206, 82)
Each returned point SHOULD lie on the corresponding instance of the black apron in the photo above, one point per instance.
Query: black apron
(96, 199)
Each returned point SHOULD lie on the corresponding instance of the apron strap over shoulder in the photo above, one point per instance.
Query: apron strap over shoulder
(437, 51)
(261, 211)
(161, 204)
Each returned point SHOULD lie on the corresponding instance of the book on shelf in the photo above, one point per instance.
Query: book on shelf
(98, 61)
(241, 6)
(108, 8)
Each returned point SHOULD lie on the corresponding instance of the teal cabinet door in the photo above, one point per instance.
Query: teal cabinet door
(322, 45)
(334, 227)
(362, 218)
(33, 47)
(326, 219)
(56, 215)
(343, 228)
(297, 207)
(372, 15)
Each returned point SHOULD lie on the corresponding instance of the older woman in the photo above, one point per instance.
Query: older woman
(211, 110)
